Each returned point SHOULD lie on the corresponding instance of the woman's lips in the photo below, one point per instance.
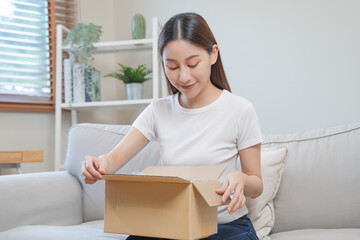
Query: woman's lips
(187, 87)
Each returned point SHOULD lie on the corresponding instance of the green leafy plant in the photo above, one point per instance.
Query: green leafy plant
(80, 44)
(81, 39)
(131, 75)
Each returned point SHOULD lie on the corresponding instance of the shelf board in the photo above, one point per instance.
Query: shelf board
(120, 104)
(120, 46)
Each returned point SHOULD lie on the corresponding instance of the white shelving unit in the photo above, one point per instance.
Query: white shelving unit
(102, 48)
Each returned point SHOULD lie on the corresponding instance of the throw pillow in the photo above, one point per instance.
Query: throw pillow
(261, 209)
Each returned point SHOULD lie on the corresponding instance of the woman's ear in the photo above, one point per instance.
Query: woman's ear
(214, 54)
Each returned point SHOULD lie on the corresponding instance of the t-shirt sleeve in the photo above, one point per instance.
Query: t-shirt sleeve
(248, 129)
(145, 123)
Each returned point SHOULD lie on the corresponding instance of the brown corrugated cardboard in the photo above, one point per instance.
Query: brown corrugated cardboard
(175, 202)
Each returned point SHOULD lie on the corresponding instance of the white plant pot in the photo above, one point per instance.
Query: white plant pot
(134, 91)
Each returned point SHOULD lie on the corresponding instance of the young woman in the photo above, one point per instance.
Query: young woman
(200, 123)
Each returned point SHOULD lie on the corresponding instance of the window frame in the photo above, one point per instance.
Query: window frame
(33, 103)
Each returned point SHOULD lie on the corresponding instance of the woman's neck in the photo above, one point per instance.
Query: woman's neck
(204, 98)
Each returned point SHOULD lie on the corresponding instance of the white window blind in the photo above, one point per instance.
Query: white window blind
(66, 12)
(28, 50)
(24, 50)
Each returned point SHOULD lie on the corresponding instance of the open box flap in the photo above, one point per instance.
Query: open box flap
(186, 172)
(208, 192)
(142, 178)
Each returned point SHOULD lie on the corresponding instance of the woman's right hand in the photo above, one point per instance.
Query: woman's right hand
(92, 168)
(129, 146)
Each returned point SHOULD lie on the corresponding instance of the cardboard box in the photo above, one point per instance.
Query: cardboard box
(175, 202)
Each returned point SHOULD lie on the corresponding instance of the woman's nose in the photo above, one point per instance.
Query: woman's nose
(184, 75)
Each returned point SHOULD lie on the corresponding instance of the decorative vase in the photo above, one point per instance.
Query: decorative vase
(134, 91)
(138, 27)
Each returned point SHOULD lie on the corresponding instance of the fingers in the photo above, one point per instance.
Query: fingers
(102, 167)
(92, 167)
(86, 176)
(238, 200)
(223, 188)
(240, 204)
(89, 170)
(228, 192)
(233, 203)
(233, 184)
(236, 203)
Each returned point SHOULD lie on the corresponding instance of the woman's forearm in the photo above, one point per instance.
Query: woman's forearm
(130, 145)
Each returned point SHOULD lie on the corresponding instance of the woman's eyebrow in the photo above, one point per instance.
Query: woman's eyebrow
(173, 60)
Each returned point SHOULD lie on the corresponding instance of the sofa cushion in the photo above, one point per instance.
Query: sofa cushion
(261, 209)
(320, 184)
(96, 139)
(318, 234)
(39, 198)
(93, 230)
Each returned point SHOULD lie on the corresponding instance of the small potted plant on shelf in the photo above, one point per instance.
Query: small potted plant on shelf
(133, 78)
(84, 78)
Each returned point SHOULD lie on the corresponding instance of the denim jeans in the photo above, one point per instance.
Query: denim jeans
(239, 229)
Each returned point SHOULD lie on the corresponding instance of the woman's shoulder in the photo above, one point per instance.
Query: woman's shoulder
(236, 100)
(163, 102)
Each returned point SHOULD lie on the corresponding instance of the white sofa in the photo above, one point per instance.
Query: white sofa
(318, 198)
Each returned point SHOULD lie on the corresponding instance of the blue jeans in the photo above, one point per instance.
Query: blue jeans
(239, 229)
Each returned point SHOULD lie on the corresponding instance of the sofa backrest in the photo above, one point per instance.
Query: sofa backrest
(320, 186)
(97, 139)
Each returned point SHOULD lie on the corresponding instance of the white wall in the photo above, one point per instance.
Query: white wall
(30, 131)
(297, 61)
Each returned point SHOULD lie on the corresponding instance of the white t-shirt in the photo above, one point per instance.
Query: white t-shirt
(210, 135)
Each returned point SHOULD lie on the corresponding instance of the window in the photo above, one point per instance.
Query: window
(27, 51)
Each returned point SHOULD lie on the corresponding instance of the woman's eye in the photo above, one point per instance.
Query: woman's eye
(172, 68)
(193, 66)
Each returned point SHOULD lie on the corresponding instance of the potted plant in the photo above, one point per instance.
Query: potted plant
(80, 41)
(133, 78)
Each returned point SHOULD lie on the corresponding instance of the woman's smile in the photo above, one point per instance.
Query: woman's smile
(188, 87)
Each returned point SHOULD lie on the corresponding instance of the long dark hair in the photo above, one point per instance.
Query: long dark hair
(194, 29)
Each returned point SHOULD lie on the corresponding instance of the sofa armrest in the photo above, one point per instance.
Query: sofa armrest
(48, 198)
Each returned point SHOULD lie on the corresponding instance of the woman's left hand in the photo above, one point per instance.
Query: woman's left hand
(234, 183)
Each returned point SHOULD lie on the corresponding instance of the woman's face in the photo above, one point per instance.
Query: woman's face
(188, 67)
